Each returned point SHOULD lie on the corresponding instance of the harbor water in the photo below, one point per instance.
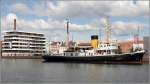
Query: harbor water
(37, 71)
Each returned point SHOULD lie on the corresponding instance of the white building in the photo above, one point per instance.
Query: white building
(57, 47)
(54, 47)
(23, 44)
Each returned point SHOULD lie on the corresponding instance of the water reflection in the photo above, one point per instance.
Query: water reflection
(35, 71)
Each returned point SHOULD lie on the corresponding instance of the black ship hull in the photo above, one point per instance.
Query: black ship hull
(131, 57)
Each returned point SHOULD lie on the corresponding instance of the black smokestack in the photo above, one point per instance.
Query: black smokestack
(14, 24)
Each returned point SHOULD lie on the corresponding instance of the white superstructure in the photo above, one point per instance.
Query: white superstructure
(104, 48)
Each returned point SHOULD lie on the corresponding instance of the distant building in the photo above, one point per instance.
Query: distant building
(54, 47)
(23, 44)
(57, 47)
(126, 46)
(147, 45)
(60, 47)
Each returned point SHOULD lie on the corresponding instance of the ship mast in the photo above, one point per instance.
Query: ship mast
(138, 34)
(138, 38)
(107, 31)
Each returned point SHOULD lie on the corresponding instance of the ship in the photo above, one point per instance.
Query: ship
(128, 57)
(100, 52)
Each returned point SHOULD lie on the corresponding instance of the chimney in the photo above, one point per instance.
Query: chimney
(14, 24)
(67, 34)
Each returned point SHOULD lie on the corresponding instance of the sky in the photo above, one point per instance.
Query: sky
(86, 18)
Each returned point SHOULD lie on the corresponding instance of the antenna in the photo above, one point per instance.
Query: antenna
(138, 35)
(72, 38)
(139, 32)
(100, 34)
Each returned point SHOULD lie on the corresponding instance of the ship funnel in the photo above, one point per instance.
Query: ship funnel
(14, 24)
(94, 41)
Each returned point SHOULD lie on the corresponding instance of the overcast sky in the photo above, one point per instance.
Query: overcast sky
(86, 18)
